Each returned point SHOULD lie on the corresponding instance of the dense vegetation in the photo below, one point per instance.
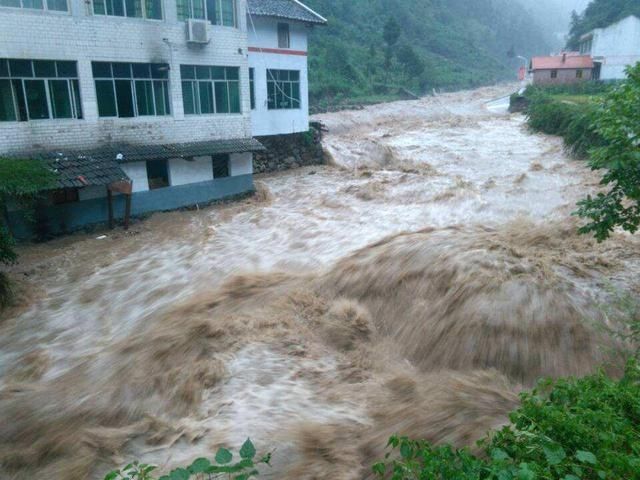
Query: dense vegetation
(569, 429)
(599, 14)
(567, 111)
(441, 44)
(21, 180)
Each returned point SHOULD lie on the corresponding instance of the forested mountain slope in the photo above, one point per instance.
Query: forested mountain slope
(601, 13)
(441, 44)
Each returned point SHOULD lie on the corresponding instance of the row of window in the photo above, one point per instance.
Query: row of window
(46, 89)
(579, 74)
(218, 12)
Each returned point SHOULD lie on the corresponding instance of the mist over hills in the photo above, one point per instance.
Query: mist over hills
(449, 44)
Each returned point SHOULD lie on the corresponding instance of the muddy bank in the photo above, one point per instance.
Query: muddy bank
(410, 288)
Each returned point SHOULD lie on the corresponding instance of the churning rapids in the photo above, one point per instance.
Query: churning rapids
(414, 286)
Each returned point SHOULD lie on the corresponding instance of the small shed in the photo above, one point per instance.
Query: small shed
(568, 67)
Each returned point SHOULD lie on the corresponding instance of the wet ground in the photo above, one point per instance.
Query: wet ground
(448, 161)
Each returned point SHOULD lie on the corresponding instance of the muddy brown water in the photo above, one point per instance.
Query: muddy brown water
(414, 286)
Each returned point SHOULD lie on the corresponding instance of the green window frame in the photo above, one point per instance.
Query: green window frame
(218, 12)
(48, 5)
(148, 9)
(210, 89)
(39, 90)
(132, 89)
(283, 90)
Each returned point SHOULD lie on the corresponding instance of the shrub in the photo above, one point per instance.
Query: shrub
(618, 123)
(221, 466)
(21, 180)
(570, 429)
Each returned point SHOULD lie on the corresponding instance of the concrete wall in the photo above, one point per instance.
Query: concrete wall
(274, 122)
(72, 216)
(240, 164)
(183, 172)
(137, 172)
(617, 47)
(568, 75)
(81, 36)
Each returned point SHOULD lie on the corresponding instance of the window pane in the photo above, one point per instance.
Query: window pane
(7, 111)
(67, 69)
(60, 99)
(144, 97)
(198, 9)
(283, 35)
(218, 73)
(187, 72)
(106, 98)
(44, 68)
(296, 95)
(36, 99)
(20, 68)
(10, 3)
(233, 73)
(101, 69)
(234, 97)
(154, 9)
(121, 70)
(294, 75)
(115, 7)
(228, 13)
(4, 68)
(222, 97)
(58, 5)
(33, 4)
(188, 98)
(18, 93)
(159, 70)
(202, 72)
(133, 8)
(99, 7)
(161, 93)
(124, 98)
(75, 85)
(212, 11)
(271, 95)
(183, 9)
(206, 97)
(141, 70)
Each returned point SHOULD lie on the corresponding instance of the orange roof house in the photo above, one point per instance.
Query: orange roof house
(568, 67)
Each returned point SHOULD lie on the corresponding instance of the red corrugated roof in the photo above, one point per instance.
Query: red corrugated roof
(559, 62)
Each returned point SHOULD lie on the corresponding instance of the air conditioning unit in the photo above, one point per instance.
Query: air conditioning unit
(197, 31)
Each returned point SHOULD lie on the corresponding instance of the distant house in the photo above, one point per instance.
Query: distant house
(569, 67)
(613, 48)
(277, 34)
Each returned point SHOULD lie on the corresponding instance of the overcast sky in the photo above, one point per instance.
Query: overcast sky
(554, 16)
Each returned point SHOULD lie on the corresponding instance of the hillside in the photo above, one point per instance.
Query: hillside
(442, 44)
(601, 13)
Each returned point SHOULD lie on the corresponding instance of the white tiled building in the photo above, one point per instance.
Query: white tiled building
(278, 31)
(159, 87)
(613, 48)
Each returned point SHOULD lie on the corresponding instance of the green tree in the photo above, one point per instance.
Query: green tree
(391, 32)
(618, 123)
(410, 60)
(20, 180)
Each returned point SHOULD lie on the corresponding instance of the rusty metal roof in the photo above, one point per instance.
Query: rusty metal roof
(569, 60)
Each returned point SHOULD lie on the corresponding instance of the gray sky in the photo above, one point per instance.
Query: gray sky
(554, 16)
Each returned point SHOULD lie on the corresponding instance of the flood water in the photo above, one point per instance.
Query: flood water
(413, 286)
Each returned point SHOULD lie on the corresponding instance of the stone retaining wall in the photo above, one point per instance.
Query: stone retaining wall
(290, 151)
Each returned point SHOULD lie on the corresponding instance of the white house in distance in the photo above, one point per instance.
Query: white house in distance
(613, 48)
(141, 105)
(277, 32)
